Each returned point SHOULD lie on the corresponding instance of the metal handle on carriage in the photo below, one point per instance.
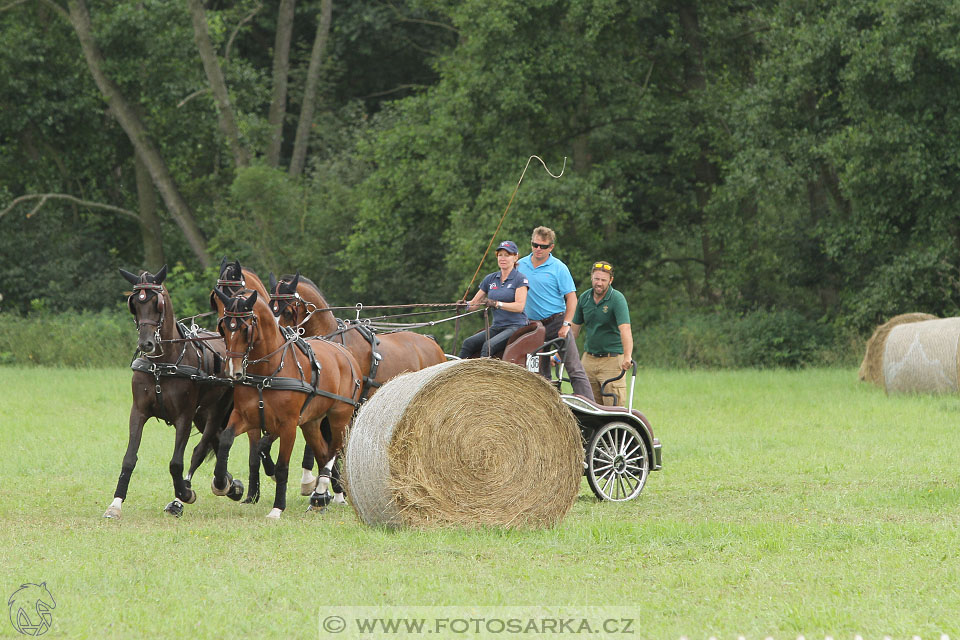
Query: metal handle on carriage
(623, 372)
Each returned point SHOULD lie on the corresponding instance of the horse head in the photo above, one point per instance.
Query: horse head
(147, 303)
(285, 302)
(238, 324)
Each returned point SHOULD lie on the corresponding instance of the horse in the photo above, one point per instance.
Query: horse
(177, 386)
(297, 302)
(232, 280)
(272, 391)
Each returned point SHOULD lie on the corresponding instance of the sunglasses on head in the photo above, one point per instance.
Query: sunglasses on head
(602, 265)
(537, 245)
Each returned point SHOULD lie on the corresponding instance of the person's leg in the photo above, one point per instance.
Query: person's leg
(607, 369)
(578, 378)
(472, 345)
(498, 340)
(591, 366)
(550, 332)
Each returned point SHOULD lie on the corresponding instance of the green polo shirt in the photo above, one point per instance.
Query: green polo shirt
(602, 321)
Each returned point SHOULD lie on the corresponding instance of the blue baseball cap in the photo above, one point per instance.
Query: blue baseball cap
(509, 246)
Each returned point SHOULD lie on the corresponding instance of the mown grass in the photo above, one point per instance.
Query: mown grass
(791, 502)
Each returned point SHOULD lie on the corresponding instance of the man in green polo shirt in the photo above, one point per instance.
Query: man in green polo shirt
(608, 347)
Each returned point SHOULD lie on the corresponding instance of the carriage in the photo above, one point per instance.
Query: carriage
(620, 449)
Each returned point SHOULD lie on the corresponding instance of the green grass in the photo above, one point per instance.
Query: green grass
(791, 502)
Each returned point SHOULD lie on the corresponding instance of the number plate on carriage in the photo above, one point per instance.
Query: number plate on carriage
(533, 363)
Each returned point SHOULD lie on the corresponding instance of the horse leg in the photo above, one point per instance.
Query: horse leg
(181, 492)
(336, 481)
(257, 445)
(205, 448)
(288, 434)
(308, 481)
(137, 418)
(313, 434)
(223, 483)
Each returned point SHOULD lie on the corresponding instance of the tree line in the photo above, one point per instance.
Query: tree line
(730, 157)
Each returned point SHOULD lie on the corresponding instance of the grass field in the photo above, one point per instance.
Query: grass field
(791, 502)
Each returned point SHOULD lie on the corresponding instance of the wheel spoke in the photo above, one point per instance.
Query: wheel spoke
(598, 469)
(631, 451)
(606, 454)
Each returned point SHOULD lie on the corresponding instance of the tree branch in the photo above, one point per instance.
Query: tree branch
(44, 197)
(236, 30)
(430, 23)
(193, 95)
(11, 5)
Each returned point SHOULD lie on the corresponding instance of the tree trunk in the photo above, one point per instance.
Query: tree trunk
(281, 69)
(182, 214)
(228, 123)
(149, 222)
(302, 138)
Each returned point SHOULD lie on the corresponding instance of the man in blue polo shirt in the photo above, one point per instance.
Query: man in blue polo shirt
(552, 299)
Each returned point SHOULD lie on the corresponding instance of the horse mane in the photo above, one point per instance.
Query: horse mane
(288, 278)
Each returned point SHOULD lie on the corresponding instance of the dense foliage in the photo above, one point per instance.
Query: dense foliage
(787, 164)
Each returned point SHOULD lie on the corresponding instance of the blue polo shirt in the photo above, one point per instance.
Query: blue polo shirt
(505, 291)
(549, 283)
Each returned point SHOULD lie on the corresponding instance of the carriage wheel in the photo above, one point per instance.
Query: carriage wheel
(617, 462)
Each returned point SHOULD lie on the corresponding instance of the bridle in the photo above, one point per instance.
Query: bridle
(140, 291)
(247, 321)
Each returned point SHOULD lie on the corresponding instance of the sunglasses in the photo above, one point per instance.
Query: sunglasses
(537, 245)
(602, 265)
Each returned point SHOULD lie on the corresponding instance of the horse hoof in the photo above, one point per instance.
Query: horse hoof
(252, 498)
(112, 512)
(235, 492)
(225, 490)
(339, 499)
(320, 499)
(191, 498)
(313, 509)
(307, 488)
(175, 509)
(274, 514)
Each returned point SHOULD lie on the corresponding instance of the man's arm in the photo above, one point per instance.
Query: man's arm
(571, 301)
(626, 337)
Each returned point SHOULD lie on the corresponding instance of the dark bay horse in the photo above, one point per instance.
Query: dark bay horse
(172, 382)
(280, 385)
(298, 302)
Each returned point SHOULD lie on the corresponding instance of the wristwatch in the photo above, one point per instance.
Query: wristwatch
(499, 304)
(566, 324)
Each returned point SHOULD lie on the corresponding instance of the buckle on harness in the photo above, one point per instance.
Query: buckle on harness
(158, 389)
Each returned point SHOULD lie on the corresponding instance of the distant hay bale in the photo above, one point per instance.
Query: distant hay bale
(921, 357)
(464, 443)
(871, 369)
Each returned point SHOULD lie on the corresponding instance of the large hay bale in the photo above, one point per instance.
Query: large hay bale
(464, 443)
(871, 369)
(921, 357)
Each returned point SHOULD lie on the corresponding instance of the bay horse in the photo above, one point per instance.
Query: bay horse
(175, 385)
(297, 302)
(232, 280)
(282, 382)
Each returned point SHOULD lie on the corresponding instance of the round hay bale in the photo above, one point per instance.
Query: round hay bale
(464, 443)
(921, 357)
(871, 369)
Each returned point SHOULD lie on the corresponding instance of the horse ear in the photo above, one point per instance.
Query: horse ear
(132, 279)
(248, 304)
(158, 279)
(224, 298)
(223, 265)
(295, 281)
(273, 282)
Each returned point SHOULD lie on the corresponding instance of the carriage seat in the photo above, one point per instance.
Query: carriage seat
(524, 340)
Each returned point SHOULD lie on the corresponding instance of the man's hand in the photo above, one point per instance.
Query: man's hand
(626, 362)
(563, 331)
